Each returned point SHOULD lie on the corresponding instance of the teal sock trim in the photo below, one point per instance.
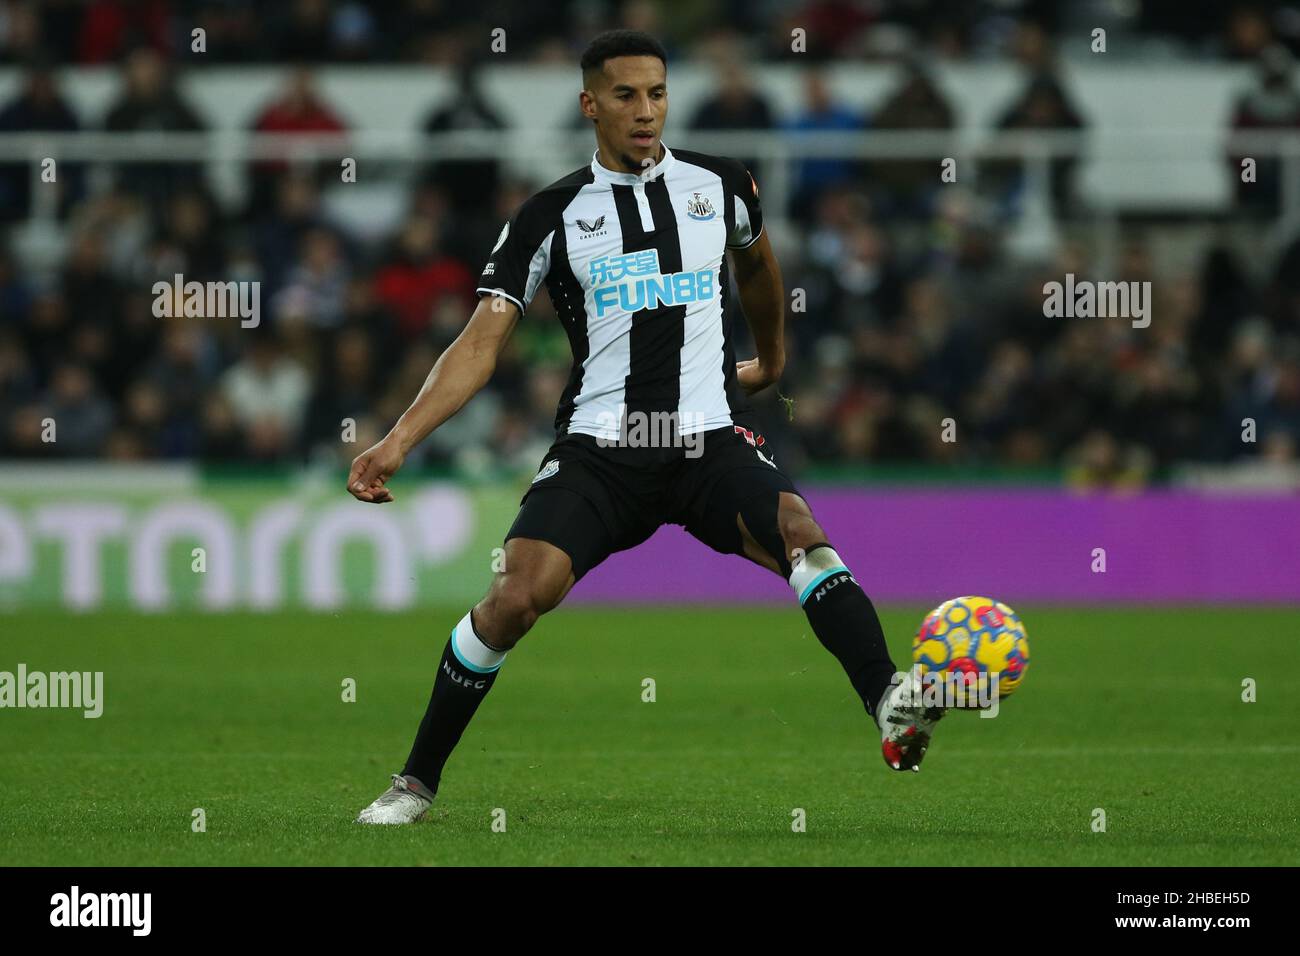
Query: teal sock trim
(818, 580)
(466, 664)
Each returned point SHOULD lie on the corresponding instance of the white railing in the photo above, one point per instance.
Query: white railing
(547, 153)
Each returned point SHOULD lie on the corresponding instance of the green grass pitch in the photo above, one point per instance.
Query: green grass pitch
(1136, 712)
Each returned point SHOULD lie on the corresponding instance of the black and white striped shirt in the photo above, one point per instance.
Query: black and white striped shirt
(636, 268)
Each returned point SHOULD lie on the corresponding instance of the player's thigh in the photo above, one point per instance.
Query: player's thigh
(584, 504)
(558, 536)
(736, 498)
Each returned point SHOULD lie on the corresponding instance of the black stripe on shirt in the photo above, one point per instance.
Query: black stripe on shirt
(653, 383)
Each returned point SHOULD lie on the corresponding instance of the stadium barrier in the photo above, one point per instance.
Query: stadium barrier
(164, 538)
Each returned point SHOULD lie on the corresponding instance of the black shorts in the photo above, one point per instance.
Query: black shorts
(591, 501)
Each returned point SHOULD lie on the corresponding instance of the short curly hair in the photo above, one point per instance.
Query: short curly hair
(614, 43)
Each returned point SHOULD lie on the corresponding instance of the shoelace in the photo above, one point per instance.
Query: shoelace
(398, 789)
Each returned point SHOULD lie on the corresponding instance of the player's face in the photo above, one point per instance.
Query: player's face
(629, 103)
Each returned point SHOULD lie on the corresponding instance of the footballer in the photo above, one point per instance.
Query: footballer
(633, 250)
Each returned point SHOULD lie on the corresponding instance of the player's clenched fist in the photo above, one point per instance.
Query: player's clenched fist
(371, 470)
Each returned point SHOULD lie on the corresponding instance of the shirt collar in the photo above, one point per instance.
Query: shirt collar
(613, 177)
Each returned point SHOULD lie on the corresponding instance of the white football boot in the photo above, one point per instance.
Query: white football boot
(905, 723)
(406, 801)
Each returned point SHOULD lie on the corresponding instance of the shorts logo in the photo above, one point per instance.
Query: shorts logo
(548, 469)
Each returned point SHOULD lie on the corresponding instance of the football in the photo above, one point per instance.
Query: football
(975, 647)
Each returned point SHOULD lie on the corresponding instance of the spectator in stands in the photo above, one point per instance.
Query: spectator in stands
(233, 32)
(866, 280)
(280, 228)
(81, 414)
(23, 36)
(301, 32)
(45, 332)
(363, 310)
(1042, 105)
(345, 389)
(221, 439)
(25, 430)
(149, 102)
(906, 187)
(1272, 104)
(267, 394)
(183, 372)
(15, 292)
(142, 414)
(17, 384)
(192, 227)
(299, 108)
(317, 284)
(91, 298)
(416, 276)
(1247, 32)
(831, 29)
(1100, 460)
(38, 108)
(110, 27)
(465, 181)
(354, 35)
(812, 177)
(736, 105)
(1260, 386)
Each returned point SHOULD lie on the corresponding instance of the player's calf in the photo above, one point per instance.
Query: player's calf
(845, 621)
(536, 578)
(466, 672)
(778, 530)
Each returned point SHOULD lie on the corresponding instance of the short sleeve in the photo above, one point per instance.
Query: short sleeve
(520, 259)
(748, 213)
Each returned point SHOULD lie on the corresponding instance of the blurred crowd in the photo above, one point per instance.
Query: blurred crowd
(90, 32)
(915, 309)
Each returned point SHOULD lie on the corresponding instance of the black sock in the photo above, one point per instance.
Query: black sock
(845, 621)
(458, 689)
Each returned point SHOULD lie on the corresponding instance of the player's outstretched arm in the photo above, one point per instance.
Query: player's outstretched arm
(762, 295)
(458, 374)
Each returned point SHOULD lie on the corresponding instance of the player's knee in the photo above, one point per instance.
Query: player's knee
(510, 609)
